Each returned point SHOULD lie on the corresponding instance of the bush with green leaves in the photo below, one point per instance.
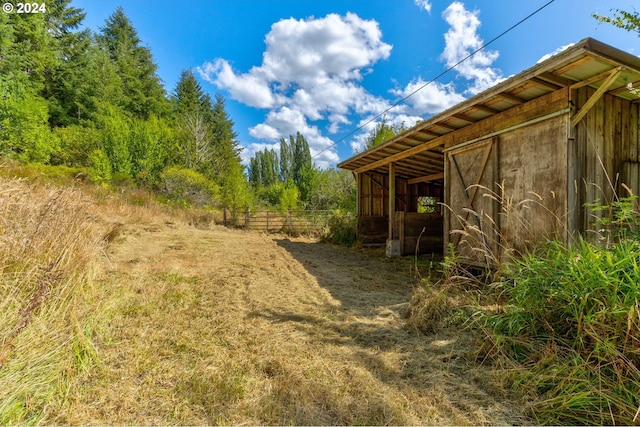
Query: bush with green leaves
(341, 228)
(188, 187)
(571, 319)
(99, 167)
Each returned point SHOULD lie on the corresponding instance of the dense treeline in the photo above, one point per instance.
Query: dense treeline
(94, 101)
(89, 100)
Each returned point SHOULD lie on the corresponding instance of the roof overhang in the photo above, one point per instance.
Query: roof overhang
(418, 152)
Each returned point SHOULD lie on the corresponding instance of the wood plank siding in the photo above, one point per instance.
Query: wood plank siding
(516, 164)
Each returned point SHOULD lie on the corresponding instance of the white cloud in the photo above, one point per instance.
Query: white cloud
(310, 71)
(311, 74)
(423, 4)
(555, 52)
(249, 88)
(430, 99)
(460, 41)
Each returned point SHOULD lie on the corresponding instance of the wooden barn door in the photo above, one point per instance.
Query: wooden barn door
(472, 199)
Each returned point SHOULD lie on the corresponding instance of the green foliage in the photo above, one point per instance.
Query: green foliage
(149, 139)
(100, 167)
(142, 93)
(116, 132)
(341, 228)
(188, 187)
(382, 133)
(289, 197)
(620, 220)
(629, 21)
(571, 316)
(27, 131)
(75, 143)
(235, 189)
(334, 189)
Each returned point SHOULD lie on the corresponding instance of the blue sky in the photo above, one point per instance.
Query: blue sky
(326, 67)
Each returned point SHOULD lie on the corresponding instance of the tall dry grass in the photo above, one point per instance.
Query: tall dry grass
(560, 319)
(48, 243)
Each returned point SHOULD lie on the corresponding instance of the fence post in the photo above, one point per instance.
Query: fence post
(289, 221)
(247, 222)
(224, 216)
(267, 221)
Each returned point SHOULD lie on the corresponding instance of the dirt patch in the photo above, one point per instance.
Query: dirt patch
(219, 326)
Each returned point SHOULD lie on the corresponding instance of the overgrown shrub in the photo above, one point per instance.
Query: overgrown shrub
(572, 318)
(100, 167)
(341, 228)
(188, 187)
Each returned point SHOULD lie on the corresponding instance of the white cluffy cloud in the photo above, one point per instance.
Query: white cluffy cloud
(555, 52)
(310, 71)
(461, 40)
(423, 4)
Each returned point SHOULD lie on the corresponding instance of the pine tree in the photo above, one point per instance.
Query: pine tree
(193, 114)
(224, 140)
(71, 81)
(143, 95)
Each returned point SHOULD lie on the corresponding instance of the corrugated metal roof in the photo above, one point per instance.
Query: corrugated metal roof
(418, 151)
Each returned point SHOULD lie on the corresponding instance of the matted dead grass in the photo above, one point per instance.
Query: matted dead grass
(201, 326)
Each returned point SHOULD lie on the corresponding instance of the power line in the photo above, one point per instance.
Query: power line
(435, 78)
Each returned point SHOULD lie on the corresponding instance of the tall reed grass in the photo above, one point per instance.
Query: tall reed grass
(566, 315)
(48, 243)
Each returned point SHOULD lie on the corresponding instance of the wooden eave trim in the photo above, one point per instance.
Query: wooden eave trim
(584, 51)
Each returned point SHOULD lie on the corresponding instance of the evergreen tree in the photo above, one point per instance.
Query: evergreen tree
(226, 148)
(71, 81)
(193, 112)
(143, 95)
(285, 159)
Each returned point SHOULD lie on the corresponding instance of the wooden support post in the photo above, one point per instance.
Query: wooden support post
(393, 244)
(358, 193)
(247, 222)
(392, 198)
(224, 216)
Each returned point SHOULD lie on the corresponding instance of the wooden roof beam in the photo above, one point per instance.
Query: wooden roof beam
(403, 155)
(427, 178)
(545, 84)
(626, 88)
(464, 118)
(486, 108)
(552, 78)
(596, 78)
(613, 75)
(445, 126)
(511, 98)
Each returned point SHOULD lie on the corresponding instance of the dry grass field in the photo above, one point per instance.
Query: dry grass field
(200, 325)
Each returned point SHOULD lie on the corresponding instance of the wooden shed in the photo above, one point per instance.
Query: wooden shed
(513, 165)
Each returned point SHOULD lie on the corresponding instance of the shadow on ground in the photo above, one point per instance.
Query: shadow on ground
(373, 293)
